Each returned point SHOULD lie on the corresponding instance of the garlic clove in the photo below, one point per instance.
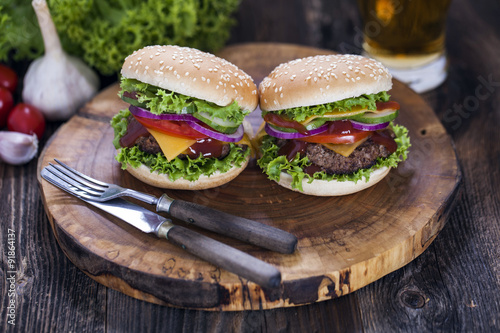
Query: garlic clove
(17, 148)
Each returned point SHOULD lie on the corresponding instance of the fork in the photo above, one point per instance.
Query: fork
(249, 231)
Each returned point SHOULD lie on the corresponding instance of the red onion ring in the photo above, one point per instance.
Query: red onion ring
(235, 137)
(368, 127)
(293, 135)
(191, 121)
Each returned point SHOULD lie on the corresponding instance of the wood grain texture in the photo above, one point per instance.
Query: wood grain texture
(344, 243)
(458, 276)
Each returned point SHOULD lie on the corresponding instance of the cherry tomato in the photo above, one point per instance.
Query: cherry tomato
(27, 119)
(8, 78)
(175, 128)
(6, 104)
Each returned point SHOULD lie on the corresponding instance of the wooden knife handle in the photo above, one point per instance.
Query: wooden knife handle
(249, 231)
(222, 255)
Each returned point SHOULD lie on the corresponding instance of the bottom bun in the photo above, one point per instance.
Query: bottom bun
(333, 187)
(144, 174)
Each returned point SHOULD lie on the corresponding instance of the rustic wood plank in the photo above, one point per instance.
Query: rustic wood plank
(469, 238)
(52, 294)
(452, 274)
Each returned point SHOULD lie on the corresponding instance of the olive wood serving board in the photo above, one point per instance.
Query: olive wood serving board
(344, 243)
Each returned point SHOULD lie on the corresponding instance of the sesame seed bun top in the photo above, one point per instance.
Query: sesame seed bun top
(193, 73)
(322, 79)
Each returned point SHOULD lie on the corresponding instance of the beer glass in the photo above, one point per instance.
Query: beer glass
(407, 36)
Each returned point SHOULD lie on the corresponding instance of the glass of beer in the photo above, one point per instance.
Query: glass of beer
(407, 36)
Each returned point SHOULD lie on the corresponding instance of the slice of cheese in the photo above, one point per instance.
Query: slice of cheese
(245, 141)
(344, 149)
(171, 146)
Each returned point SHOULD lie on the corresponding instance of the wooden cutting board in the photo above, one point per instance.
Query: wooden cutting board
(344, 243)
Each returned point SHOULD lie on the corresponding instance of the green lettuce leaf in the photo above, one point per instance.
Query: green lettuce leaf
(189, 169)
(104, 32)
(160, 101)
(366, 101)
(119, 124)
(273, 165)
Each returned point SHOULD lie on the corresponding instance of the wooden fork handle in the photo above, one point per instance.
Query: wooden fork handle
(249, 231)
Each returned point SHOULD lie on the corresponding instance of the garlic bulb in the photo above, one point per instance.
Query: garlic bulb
(58, 84)
(17, 148)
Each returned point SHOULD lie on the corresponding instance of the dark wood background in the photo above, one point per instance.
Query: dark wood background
(454, 286)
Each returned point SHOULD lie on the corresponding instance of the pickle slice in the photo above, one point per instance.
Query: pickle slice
(220, 125)
(376, 117)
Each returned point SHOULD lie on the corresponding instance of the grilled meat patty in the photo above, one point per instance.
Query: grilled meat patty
(362, 157)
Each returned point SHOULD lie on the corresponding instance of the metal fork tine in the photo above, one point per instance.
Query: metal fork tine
(54, 169)
(78, 177)
(81, 175)
(56, 178)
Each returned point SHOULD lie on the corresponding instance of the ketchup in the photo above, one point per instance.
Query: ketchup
(384, 138)
(207, 147)
(134, 131)
(291, 148)
(341, 127)
(312, 169)
(391, 105)
(281, 122)
(130, 94)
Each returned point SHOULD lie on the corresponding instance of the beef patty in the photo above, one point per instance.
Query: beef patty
(362, 157)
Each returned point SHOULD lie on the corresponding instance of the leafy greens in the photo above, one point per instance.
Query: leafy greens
(105, 32)
(301, 113)
(159, 101)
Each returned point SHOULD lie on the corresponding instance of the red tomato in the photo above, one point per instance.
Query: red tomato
(337, 138)
(6, 104)
(27, 119)
(175, 128)
(8, 78)
(339, 132)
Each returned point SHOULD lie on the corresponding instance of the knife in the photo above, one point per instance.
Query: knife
(217, 253)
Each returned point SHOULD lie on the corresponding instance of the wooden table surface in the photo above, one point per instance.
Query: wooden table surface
(453, 286)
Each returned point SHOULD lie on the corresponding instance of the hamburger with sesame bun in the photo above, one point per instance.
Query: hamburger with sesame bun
(184, 128)
(329, 125)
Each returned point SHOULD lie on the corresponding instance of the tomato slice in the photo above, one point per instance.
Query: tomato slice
(174, 128)
(339, 132)
(337, 138)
